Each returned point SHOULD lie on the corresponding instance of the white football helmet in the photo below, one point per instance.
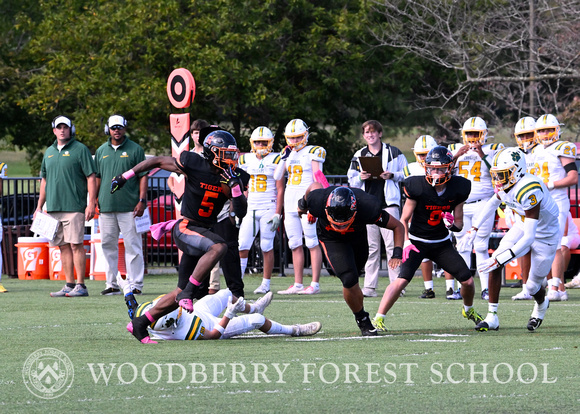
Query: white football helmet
(295, 129)
(525, 133)
(168, 321)
(548, 121)
(262, 134)
(423, 145)
(474, 124)
(507, 168)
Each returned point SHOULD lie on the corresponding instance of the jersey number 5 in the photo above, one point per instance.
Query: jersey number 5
(207, 203)
(435, 217)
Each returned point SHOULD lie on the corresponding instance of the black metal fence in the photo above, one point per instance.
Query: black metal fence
(20, 198)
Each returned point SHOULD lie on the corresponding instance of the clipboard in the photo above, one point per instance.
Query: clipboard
(372, 165)
(44, 225)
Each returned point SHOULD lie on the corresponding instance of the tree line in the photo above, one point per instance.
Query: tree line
(423, 64)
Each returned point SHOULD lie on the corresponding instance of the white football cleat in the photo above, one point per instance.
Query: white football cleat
(573, 284)
(310, 290)
(261, 304)
(306, 329)
(538, 314)
(523, 295)
(292, 290)
(553, 295)
(261, 290)
(490, 323)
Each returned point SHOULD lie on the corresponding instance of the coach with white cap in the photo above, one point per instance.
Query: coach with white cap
(118, 211)
(68, 174)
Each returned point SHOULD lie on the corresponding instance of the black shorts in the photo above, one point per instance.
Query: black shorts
(194, 241)
(442, 253)
(347, 258)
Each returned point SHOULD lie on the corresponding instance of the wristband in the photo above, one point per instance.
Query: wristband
(454, 228)
(219, 328)
(550, 185)
(505, 256)
(128, 174)
(397, 253)
(142, 200)
(236, 192)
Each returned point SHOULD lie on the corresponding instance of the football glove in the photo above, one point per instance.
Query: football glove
(230, 178)
(465, 243)
(234, 308)
(117, 182)
(448, 219)
(488, 265)
(274, 222)
(407, 250)
(285, 153)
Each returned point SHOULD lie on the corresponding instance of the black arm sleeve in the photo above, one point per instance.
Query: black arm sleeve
(240, 206)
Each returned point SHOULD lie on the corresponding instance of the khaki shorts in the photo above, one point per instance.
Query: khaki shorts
(71, 228)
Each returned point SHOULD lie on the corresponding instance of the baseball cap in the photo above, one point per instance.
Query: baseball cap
(116, 120)
(62, 120)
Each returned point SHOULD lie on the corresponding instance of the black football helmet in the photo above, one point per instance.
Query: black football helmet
(438, 165)
(221, 149)
(341, 208)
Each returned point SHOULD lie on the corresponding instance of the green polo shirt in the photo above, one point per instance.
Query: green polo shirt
(66, 173)
(111, 162)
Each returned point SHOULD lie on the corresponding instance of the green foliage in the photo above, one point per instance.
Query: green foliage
(255, 63)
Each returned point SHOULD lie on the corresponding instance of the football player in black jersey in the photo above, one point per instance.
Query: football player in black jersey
(211, 180)
(343, 214)
(434, 206)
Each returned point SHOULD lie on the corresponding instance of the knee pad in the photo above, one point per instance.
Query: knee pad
(266, 245)
(481, 244)
(311, 241)
(256, 320)
(534, 284)
(348, 279)
(294, 241)
(464, 276)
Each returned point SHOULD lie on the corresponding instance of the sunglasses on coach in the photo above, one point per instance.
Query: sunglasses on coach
(117, 127)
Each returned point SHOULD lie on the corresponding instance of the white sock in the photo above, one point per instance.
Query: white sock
(315, 285)
(428, 284)
(449, 284)
(266, 283)
(524, 288)
(492, 307)
(278, 328)
(298, 285)
(243, 265)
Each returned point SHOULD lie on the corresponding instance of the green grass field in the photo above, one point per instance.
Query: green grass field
(431, 360)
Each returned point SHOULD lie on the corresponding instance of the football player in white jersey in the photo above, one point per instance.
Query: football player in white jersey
(525, 134)
(204, 322)
(265, 202)
(301, 161)
(555, 165)
(472, 161)
(538, 233)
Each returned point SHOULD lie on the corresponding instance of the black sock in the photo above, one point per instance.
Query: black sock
(70, 285)
(82, 285)
(360, 315)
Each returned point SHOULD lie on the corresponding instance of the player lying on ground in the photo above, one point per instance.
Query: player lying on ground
(204, 322)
